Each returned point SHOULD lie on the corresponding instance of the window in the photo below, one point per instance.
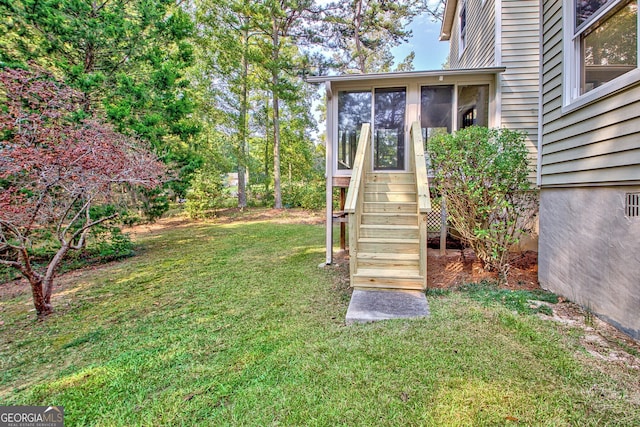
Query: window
(473, 106)
(435, 110)
(601, 48)
(389, 128)
(354, 109)
(463, 28)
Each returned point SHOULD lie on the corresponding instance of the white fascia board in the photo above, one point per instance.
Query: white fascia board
(450, 7)
(406, 75)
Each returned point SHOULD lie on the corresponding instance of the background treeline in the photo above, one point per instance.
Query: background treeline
(215, 86)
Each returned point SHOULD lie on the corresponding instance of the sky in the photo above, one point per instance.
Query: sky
(430, 52)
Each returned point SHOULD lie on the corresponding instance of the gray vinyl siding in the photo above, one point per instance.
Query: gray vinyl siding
(520, 48)
(596, 144)
(480, 46)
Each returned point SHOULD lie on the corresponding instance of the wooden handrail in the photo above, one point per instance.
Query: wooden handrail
(422, 196)
(422, 180)
(358, 171)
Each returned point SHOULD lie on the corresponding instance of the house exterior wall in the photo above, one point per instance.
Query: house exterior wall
(519, 53)
(480, 45)
(588, 252)
(596, 144)
(590, 158)
(504, 33)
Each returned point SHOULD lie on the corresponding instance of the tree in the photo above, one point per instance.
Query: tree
(365, 31)
(435, 9)
(226, 38)
(127, 57)
(280, 22)
(57, 164)
(483, 174)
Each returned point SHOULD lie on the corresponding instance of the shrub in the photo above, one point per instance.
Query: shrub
(206, 194)
(309, 195)
(483, 174)
(111, 244)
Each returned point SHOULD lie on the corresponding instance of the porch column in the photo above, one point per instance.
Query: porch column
(329, 175)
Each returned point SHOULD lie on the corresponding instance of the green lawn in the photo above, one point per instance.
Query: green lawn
(235, 324)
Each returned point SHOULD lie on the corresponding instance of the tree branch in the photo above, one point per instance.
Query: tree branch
(59, 230)
(88, 226)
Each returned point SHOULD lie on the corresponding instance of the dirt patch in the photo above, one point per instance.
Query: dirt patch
(457, 267)
(603, 345)
(227, 216)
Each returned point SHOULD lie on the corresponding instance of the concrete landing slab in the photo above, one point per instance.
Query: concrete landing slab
(371, 306)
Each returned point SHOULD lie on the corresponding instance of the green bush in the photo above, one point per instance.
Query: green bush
(484, 176)
(154, 203)
(206, 194)
(309, 196)
(111, 244)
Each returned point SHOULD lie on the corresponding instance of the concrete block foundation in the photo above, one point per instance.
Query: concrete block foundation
(589, 252)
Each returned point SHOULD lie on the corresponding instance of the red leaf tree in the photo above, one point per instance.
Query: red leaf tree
(55, 164)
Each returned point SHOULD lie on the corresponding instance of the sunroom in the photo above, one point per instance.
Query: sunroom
(377, 132)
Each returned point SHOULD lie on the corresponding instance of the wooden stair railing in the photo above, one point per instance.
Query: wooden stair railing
(423, 197)
(355, 195)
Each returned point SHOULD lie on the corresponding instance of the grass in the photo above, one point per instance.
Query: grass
(234, 324)
(521, 301)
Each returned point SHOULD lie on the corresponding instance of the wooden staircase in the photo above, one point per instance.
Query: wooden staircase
(388, 247)
(387, 223)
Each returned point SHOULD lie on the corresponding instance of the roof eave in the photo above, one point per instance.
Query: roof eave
(447, 19)
(405, 74)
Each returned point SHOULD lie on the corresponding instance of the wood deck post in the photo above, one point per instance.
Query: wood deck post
(343, 225)
(443, 227)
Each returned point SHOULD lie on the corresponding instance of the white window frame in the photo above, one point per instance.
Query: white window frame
(462, 32)
(372, 90)
(572, 98)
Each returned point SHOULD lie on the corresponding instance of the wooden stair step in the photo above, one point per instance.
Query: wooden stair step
(388, 273)
(388, 245)
(397, 218)
(387, 240)
(381, 187)
(390, 196)
(389, 256)
(388, 279)
(391, 178)
(400, 207)
(388, 284)
(389, 231)
(391, 226)
(388, 260)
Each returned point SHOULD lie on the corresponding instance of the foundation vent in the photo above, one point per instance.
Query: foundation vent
(632, 206)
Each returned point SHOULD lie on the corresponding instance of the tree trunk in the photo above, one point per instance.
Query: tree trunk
(242, 149)
(357, 23)
(277, 204)
(43, 307)
(266, 149)
(47, 283)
